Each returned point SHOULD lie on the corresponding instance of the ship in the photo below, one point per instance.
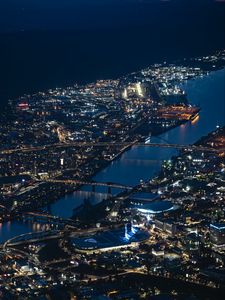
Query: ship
(195, 115)
(148, 140)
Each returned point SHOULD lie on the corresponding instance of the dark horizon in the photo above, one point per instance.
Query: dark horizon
(44, 46)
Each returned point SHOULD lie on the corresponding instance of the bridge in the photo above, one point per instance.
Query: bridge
(109, 185)
(106, 144)
(31, 237)
(47, 219)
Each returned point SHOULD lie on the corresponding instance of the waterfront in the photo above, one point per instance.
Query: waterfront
(143, 163)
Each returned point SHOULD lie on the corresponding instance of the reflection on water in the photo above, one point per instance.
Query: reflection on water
(14, 228)
(65, 205)
(139, 163)
(11, 229)
(144, 162)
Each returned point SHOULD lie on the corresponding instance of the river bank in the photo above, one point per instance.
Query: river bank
(145, 162)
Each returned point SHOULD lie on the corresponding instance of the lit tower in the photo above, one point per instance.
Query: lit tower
(125, 94)
(139, 90)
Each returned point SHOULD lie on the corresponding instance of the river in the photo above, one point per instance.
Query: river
(144, 162)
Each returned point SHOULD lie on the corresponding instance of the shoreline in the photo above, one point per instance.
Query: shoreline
(106, 164)
(62, 191)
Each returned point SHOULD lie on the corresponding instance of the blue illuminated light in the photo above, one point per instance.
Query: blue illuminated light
(150, 211)
(218, 227)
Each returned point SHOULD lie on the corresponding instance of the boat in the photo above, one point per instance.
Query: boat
(148, 140)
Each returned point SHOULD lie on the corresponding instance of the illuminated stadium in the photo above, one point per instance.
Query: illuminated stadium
(129, 236)
(154, 208)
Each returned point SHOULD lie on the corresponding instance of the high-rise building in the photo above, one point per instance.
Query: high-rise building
(166, 226)
(217, 234)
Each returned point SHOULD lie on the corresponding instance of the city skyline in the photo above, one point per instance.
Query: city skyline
(112, 150)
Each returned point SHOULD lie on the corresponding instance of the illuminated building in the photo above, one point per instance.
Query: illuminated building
(129, 236)
(154, 208)
(166, 226)
(217, 234)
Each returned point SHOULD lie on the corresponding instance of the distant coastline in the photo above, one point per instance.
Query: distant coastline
(29, 72)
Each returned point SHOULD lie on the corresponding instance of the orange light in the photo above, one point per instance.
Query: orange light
(195, 120)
